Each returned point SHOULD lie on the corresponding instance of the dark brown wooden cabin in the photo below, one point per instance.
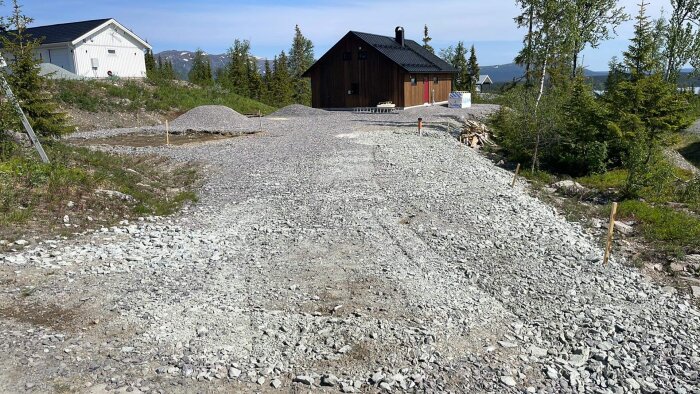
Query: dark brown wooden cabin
(363, 70)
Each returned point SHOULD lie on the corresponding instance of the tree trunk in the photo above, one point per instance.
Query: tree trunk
(537, 106)
(528, 63)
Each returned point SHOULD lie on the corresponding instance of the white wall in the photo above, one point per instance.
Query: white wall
(127, 61)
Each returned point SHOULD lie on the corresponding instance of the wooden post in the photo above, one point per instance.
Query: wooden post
(260, 119)
(167, 133)
(420, 127)
(515, 177)
(611, 230)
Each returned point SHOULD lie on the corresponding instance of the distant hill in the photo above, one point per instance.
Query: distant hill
(182, 61)
(504, 73)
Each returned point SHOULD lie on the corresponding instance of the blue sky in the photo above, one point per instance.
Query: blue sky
(269, 24)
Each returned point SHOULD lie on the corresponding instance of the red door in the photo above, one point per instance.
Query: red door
(426, 89)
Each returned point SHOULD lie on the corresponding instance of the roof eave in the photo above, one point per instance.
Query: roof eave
(107, 23)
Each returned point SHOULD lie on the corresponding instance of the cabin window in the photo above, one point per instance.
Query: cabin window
(362, 55)
(347, 56)
(112, 52)
(414, 81)
(436, 80)
(354, 89)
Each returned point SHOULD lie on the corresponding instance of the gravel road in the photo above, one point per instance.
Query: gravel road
(344, 253)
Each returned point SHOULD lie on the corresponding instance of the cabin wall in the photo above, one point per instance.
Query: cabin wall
(414, 94)
(376, 78)
(114, 51)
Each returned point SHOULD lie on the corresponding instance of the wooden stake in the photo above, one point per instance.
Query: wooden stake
(167, 133)
(611, 230)
(515, 177)
(260, 119)
(420, 127)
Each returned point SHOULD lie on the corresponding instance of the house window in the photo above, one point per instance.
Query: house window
(414, 81)
(436, 80)
(362, 55)
(347, 56)
(112, 52)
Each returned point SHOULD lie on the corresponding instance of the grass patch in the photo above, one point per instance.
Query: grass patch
(540, 177)
(80, 183)
(160, 96)
(614, 179)
(672, 230)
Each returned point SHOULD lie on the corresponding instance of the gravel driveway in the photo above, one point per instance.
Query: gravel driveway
(346, 253)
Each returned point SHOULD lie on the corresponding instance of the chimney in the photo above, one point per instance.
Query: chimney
(399, 35)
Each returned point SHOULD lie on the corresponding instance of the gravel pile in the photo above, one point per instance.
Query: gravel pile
(298, 110)
(211, 118)
(350, 253)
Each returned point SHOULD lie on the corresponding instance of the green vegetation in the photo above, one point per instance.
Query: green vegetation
(427, 39)
(153, 95)
(22, 74)
(613, 144)
(671, 230)
(36, 195)
(200, 73)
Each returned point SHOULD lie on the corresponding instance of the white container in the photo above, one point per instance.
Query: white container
(460, 100)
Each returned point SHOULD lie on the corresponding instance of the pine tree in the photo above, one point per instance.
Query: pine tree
(301, 57)
(427, 39)
(200, 73)
(151, 66)
(29, 87)
(473, 70)
(459, 61)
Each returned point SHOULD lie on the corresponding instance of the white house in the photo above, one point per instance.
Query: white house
(93, 49)
(484, 80)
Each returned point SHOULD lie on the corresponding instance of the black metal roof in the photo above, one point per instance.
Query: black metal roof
(412, 56)
(64, 32)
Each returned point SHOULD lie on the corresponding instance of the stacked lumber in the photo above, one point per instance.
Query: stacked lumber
(475, 134)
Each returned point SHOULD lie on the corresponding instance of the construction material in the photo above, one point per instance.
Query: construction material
(515, 177)
(298, 110)
(211, 118)
(375, 110)
(459, 100)
(27, 126)
(611, 230)
(475, 134)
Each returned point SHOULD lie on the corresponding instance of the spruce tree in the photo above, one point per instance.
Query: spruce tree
(29, 88)
(282, 87)
(151, 66)
(237, 69)
(473, 70)
(641, 57)
(200, 73)
(459, 61)
(427, 39)
(301, 57)
(267, 83)
(645, 110)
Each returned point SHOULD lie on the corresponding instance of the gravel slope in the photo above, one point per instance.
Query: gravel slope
(348, 252)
